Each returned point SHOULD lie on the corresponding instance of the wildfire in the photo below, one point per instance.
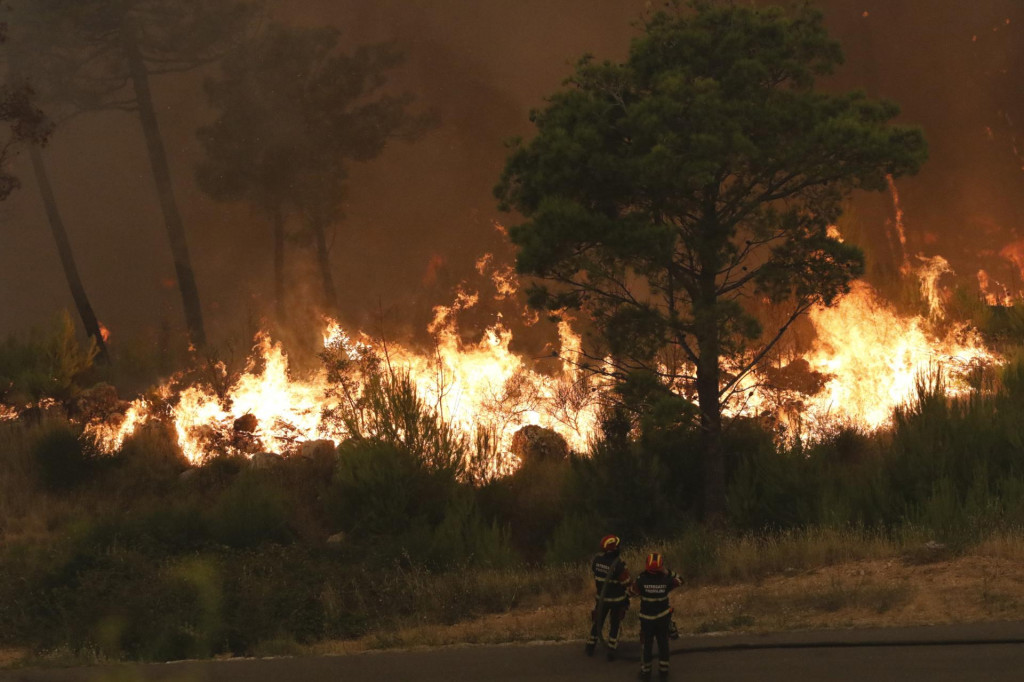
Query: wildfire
(1003, 298)
(866, 360)
(476, 388)
(873, 358)
(929, 273)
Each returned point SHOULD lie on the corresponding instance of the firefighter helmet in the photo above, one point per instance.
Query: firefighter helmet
(610, 543)
(655, 563)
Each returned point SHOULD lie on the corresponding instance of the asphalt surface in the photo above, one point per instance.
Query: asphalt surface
(989, 652)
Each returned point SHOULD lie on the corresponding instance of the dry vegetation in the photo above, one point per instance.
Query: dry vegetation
(917, 586)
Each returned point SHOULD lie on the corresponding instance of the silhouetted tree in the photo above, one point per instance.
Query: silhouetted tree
(15, 57)
(26, 123)
(661, 193)
(101, 54)
(294, 112)
(31, 127)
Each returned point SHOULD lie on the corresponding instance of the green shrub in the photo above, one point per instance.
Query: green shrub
(45, 365)
(531, 503)
(465, 537)
(62, 458)
(625, 489)
(150, 459)
(382, 490)
(573, 540)
(252, 511)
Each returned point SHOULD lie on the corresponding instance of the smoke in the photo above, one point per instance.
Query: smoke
(418, 217)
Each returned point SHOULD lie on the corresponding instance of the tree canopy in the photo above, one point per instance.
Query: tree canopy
(665, 194)
(88, 55)
(294, 111)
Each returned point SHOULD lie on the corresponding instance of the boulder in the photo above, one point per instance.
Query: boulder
(317, 449)
(264, 460)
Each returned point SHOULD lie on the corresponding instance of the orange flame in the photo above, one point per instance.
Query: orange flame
(867, 356)
(873, 359)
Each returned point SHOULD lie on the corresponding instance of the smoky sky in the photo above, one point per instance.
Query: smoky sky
(419, 216)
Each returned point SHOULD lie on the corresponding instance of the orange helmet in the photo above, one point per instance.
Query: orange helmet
(655, 563)
(610, 543)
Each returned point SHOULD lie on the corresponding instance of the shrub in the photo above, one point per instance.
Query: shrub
(151, 459)
(531, 502)
(250, 512)
(380, 489)
(62, 458)
(573, 540)
(46, 364)
(625, 489)
(465, 537)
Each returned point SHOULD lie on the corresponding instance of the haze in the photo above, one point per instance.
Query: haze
(419, 216)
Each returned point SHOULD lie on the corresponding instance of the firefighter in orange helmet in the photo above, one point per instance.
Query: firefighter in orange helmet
(653, 587)
(611, 579)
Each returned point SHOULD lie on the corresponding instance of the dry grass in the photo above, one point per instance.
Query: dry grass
(863, 593)
(896, 589)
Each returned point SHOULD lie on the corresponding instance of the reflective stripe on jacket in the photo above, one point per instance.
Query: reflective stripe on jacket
(601, 567)
(653, 590)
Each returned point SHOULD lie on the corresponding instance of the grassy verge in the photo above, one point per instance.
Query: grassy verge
(870, 583)
(817, 579)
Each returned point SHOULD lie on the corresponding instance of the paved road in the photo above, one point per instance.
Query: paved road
(992, 653)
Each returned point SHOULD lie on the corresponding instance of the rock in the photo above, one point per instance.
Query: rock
(264, 460)
(336, 539)
(536, 444)
(315, 449)
(187, 474)
(928, 553)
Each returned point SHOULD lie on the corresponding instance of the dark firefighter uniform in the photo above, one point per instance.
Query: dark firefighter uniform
(611, 579)
(653, 587)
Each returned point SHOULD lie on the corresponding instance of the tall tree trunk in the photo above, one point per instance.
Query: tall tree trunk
(324, 263)
(278, 217)
(711, 432)
(709, 399)
(67, 257)
(165, 190)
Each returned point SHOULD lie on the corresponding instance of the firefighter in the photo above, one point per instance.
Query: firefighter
(611, 579)
(653, 587)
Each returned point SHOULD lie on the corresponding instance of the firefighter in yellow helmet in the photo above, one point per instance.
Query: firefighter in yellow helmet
(653, 587)
(611, 578)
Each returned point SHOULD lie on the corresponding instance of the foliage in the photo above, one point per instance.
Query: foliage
(77, 53)
(63, 459)
(87, 55)
(27, 124)
(44, 365)
(294, 111)
(662, 192)
(214, 561)
(530, 503)
(251, 512)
